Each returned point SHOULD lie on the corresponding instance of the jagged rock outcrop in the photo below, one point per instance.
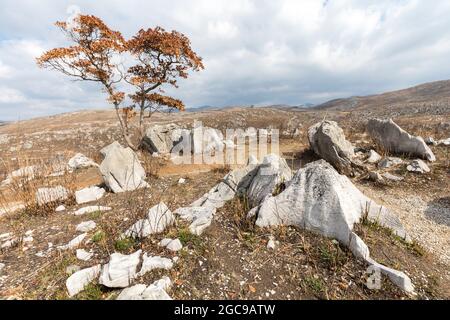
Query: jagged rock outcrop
(121, 170)
(162, 138)
(272, 173)
(328, 141)
(319, 199)
(394, 139)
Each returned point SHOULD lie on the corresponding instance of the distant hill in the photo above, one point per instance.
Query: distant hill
(433, 97)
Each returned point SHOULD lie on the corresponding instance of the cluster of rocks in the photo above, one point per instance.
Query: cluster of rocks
(122, 270)
(171, 138)
(328, 141)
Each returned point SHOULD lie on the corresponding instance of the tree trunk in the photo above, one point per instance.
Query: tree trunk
(125, 134)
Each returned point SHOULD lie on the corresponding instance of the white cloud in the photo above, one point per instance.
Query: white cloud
(9, 96)
(223, 29)
(255, 51)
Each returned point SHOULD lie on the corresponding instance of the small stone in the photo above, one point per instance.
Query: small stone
(60, 208)
(175, 245)
(181, 181)
(389, 162)
(74, 243)
(86, 226)
(375, 176)
(271, 244)
(90, 209)
(392, 177)
(28, 239)
(121, 270)
(84, 255)
(89, 194)
(72, 269)
(418, 166)
(80, 279)
(374, 157)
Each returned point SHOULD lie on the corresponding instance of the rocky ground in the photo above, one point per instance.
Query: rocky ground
(232, 259)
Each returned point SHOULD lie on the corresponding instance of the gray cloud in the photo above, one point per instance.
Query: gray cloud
(255, 52)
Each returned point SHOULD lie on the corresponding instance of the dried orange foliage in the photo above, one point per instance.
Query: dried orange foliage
(91, 58)
(160, 58)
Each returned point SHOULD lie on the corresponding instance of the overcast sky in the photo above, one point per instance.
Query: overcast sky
(255, 52)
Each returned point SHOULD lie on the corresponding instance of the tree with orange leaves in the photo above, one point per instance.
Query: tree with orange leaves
(160, 58)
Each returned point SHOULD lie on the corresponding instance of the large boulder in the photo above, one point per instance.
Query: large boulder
(272, 173)
(162, 138)
(396, 140)
(328, 141)
(319, 199)
(121, 170)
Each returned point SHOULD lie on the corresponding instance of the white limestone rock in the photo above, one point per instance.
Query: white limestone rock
(89, 194)
(90, 209)
(86, 226)
(171, 244)
(391, 177)
(80, 161)
(120, 271)
(328, 141)
(84, 255)
(394, 139)
(49, 195)
(156, 291)
(150, 263)
(389, 162)
(132, 293)
(158, 219)
(76, 242)
(200, 217)
(60, 208)
(271, 173)
(320, 199)
(418, 166)
(122, 171)
(444, 142)
(79, 280)
(373, 157)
